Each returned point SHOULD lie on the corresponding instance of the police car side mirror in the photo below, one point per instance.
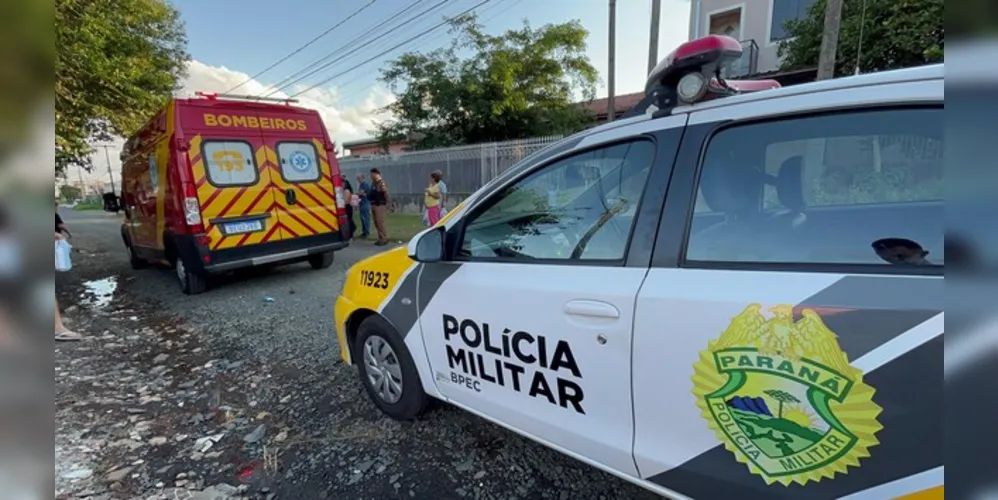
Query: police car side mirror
(428, 246)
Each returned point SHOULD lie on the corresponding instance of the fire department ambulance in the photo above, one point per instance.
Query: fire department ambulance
(216, 183)
(744, 300)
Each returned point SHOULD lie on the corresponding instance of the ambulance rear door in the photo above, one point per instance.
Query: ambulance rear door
(301, 171)
(234, 186)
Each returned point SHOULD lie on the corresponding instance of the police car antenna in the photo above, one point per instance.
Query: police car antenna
(212, 96)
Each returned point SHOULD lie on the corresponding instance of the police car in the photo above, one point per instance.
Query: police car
(734, 293)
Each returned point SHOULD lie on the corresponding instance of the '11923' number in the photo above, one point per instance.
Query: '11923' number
(375, 279)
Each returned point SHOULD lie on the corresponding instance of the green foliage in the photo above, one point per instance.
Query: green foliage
(89, 205)
(69, 192)
(116, 64)
(895, 34)
(481, 88)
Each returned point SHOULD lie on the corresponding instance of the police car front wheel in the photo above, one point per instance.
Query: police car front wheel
(387, 370)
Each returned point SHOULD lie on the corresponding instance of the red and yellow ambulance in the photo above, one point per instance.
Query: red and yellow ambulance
(218, 182)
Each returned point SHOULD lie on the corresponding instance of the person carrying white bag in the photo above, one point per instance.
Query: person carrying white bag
(63, 257)
(63, 263)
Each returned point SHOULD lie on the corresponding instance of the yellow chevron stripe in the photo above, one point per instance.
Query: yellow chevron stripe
(194, 147)
(307, 226)
(934, 493)
(320, 148)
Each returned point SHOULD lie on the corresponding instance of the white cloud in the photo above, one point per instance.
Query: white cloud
(346, 122)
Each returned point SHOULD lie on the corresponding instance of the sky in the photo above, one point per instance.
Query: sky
(231, 40)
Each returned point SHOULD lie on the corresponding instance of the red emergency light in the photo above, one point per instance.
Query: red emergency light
(692, 73)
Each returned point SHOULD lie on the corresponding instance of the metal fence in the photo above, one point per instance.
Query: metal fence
(465, 168)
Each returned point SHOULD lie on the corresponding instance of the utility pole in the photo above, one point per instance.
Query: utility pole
(611, 110)
(656, 13)
(108, 157)
(830, 40)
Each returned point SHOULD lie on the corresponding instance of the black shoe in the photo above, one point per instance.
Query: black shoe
(380, 243)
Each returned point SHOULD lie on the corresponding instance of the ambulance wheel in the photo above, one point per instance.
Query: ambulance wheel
(133, 258)
(191, 282)
(320, 260)
(387, 370)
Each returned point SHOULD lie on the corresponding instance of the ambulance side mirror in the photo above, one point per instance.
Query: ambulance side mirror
(428, 246)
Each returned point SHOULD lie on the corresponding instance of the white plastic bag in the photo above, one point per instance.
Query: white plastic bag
(426, 218)
(63, 259)
(443, 212)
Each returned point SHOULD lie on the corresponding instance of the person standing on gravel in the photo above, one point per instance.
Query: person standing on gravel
(348, 193)
(378, 196)
(61, 332)
(364, 207)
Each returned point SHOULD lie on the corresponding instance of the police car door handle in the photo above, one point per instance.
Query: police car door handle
(592, 309)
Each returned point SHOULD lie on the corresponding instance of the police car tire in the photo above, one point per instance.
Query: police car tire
(321, 260)
(414, 399)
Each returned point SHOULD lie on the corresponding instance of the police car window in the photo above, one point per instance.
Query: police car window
(862, 187)
(578, 208)
(299, 162)
(230, 163)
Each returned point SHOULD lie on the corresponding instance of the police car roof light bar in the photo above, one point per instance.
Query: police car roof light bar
(692, 73)
(213, 96)
(705, 55)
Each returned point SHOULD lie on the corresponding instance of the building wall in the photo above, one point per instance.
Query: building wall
(373, 149)
(756, 17)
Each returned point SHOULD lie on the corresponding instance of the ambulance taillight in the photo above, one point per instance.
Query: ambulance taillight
(192, 209)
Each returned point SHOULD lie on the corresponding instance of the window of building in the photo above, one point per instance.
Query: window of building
(579, 208)
(727, 23)
(851, 188)
(783, 11)
(230, 163)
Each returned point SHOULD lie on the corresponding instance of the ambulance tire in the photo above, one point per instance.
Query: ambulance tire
(133, 258)
(320, 260)
(413, 401)
(192, 282)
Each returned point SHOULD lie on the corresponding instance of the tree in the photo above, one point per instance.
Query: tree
(522, 83)
(116, 64)
(781, 397)
(895, 34)
(69, 192)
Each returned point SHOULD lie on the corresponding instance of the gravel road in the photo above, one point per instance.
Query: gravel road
(229, 394)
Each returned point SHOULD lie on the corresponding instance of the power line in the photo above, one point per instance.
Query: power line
(330, 63)
(437, 37)
(446, 21)
(303, 47)
(284, 81)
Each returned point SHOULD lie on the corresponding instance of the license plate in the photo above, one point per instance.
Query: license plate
(243, 227)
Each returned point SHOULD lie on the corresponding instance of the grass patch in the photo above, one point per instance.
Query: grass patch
(89, 206)
(402, 226)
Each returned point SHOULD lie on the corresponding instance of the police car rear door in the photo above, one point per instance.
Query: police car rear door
(788, 338)
(530, 322)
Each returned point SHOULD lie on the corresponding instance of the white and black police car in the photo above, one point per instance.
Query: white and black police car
(735, 292)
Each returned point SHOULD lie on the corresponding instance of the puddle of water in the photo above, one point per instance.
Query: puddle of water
(99, 293)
